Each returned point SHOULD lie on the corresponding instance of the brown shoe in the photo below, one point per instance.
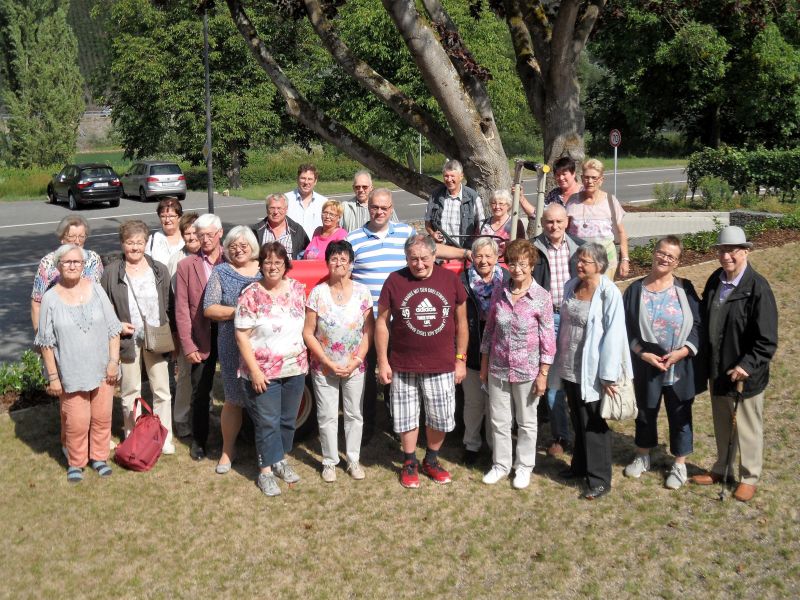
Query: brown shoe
(555, 449)
(706, 478)
(744, 492)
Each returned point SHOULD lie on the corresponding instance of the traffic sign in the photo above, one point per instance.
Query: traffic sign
(615, 138)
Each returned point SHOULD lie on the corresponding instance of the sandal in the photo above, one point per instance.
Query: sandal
(74, 474)
(102, 468)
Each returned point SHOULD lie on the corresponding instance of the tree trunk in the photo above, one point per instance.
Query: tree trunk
(234, 170)
(563, 123)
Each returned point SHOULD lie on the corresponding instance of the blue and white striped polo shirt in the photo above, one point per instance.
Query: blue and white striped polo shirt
(377, 255)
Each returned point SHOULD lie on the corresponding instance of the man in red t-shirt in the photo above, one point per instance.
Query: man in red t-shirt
(423, 307)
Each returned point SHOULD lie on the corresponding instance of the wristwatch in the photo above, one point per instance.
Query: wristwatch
(461, 357)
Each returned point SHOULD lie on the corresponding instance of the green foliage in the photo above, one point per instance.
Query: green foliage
(44, 98)
(668, 195)
(716, 193)
(24, 376)
(743, 170)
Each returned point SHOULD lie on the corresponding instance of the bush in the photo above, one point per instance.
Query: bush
(668, 195)
(716, 193)
(23, 377)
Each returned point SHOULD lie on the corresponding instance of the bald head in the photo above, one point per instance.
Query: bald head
(554, 222)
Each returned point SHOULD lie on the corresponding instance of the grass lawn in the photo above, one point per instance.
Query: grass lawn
(182, 531)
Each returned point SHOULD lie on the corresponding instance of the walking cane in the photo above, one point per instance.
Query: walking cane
(723, 492)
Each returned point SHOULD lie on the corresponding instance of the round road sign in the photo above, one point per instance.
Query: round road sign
(615, 138)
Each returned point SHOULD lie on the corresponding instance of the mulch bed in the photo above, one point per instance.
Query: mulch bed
(11, 401)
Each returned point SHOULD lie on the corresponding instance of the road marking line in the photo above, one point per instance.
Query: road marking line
(644, 184)
(640, 201)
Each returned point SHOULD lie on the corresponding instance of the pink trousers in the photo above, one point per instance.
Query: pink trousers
(86, 424)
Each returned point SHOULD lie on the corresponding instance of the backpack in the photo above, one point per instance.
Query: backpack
(141, 449)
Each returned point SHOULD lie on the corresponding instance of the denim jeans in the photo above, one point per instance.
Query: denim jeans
(557, 403)
(274, 415)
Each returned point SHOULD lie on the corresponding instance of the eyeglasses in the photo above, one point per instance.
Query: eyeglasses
(70, 263)
(330, 215)
(339, 261)
(380, 208)
(732, 250)
(586, 261)
(171, 217)
(667, 258)
(276, 209)
(207, 235)
(591, 177)
(133, 244)
(239, 247)
(518, 265)
(276, 263)
(75, 238)
(498, 203)
(360, 187)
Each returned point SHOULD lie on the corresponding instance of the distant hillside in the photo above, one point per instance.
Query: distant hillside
(92, 42)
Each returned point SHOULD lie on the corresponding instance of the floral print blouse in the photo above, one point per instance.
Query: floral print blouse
(47, 273)
(276, 324)
(665, 314)
(339, 328)
(518, 337)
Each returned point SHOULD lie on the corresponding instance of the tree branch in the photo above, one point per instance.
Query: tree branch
(316, 120)
(585, 25)
(528, 68)
(405, 107)
(562, 33)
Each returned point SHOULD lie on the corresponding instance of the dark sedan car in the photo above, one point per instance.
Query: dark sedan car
(85, 184)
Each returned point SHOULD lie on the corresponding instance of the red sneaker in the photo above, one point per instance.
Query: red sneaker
(409, 475)
(436, 472)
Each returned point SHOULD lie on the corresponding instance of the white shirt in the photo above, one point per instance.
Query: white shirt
(308, 217)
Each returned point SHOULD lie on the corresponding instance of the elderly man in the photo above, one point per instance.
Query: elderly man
(423, 305)
(277, 227)
(305, 205)
(455, 211)
(739, 341)
(356, 210)
(556, 265)
(197, 334)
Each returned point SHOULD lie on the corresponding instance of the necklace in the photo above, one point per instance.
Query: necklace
(338, 294)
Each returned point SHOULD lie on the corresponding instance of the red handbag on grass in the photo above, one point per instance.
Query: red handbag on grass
(141, 449)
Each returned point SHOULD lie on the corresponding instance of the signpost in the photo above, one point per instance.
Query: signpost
(615, 139)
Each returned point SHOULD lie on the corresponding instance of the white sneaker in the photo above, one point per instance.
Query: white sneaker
(494, 475)
(168, 448)
(677, 476)
(283, 470)
(355, 470)
(639, 465)
(522, 478)
(328, 473)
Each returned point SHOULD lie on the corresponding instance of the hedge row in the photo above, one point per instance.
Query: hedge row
(744, 170)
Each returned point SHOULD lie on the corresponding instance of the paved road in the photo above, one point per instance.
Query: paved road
(26, 234)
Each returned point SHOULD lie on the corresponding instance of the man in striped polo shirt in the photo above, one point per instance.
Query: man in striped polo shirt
(379, 251)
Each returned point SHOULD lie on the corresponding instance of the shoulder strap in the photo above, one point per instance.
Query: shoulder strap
(135, 299)
(610, 199)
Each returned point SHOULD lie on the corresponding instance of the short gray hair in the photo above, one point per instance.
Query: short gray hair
(71, 221)
(422, 239)
(597, 253)
(280, 197)
(501, 194)
(382, 191)
(206, 221)
(453, 165)
(482, 242)
(237, 233)
(363, 173)
(64, 248)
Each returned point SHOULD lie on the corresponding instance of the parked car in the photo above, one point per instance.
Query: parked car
(150, 179)
(85, 184)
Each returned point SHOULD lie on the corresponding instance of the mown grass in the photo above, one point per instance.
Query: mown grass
(182, 531)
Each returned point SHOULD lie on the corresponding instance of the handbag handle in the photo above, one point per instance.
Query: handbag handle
(144, 404)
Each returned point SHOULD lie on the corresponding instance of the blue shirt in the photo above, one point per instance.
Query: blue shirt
(377, 255)
(728, 286)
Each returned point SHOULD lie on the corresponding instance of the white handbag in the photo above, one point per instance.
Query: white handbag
(622, 404)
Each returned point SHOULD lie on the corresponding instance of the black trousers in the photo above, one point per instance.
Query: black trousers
(591, 455)
(202, 381)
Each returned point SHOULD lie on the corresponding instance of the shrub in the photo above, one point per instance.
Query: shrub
(23, 377)
(668, 195)
(716, 193)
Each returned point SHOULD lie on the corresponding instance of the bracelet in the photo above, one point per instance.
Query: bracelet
(624, 259)
(359, 359)
(50, 376)
(53, 378)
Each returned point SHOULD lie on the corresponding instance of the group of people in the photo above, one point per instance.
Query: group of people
(551, 324)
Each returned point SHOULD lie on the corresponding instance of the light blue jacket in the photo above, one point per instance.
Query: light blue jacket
(605, 350)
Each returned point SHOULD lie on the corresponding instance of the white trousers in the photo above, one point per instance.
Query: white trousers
(326, 390)
(502, 394)
(157, 369)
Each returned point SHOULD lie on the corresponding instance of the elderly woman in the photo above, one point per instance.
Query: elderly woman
(337, 332)
(163, 244)
(138, 288)
(592, 355)
(480, 280)
(498, 224)
(225, 283)
(517, 350)
(269, 321)
(78, 334)
(329, 231)
(591, 218)
(72, 229)
(566, 183)
(662, 312)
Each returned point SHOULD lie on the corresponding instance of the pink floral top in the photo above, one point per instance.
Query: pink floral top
(340, 329)
(518, 337)
(276, 325)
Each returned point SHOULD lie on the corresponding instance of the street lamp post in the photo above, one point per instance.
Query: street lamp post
(208, 147)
